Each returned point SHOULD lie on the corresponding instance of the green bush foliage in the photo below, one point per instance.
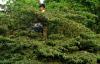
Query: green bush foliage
(80, 58)
(73, 33)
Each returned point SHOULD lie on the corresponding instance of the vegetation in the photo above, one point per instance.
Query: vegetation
(73, 32)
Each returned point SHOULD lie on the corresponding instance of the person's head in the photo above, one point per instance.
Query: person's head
(42, 7)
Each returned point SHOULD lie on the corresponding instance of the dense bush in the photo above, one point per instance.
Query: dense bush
(80, 58)
(56, 36)
(3, 30)
(98, 58)
(72, 27)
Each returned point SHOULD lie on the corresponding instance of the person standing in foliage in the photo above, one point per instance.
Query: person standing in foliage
(42, 5)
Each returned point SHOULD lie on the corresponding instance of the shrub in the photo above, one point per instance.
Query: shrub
(56, 36)
(98, 58)
(88, 42)
(3, 30)
(80, 58)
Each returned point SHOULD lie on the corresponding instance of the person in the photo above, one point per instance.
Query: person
(42, 5)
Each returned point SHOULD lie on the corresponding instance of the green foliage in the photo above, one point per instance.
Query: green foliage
(98, 58)
(3, 30)
(80, 58)
(72, 27)
(88, 42)
(56, 36)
